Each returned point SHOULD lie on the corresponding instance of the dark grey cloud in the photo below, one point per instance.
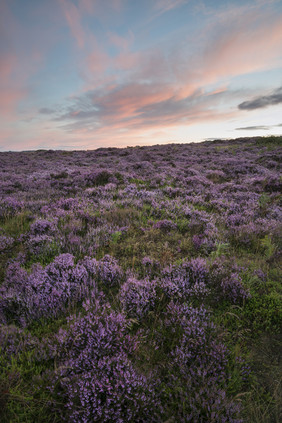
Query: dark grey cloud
(253, 128)
(263, 101)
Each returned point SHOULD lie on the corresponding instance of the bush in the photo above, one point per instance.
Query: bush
(138, 297)
(95, 379)
(44, 292)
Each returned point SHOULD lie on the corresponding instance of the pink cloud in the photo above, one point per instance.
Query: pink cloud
(7, 65)
(10, 89)
(122, 43)
(251, 42)
(14, 75)
(246, 50)
(140, 107)
(97, 61)
(74, 13)
(127, 100)
(21, 56)
(87, 6)
(128, 61)
(73, 17)
(249, 46)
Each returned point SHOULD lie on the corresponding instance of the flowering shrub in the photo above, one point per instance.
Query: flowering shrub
(10, 207)
(199, 366)
(138, 297)
(42, 226)
(45, 292)
(95, 379)
(5, 242)
(165, 225)
(187, 279)
(232, 288)
(39, 244)
(147, 261)
(105, 270)
(13, 341)
(226, 282)
(112, 391)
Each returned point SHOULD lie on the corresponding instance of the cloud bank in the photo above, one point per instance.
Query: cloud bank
(263, 101)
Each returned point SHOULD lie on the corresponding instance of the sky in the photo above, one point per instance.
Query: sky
(85, 74)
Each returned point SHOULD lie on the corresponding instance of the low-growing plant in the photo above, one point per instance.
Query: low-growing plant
(141, 284)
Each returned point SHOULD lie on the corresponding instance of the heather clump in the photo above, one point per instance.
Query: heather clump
(189, 279)
(43, 292)
(113, 391)
(138, 297)
(107, 270)
(42, 247)
(6, 242)
(198, 364)
(42, 227)
(95, 378)
(202, 243)
(165, 225)
(13, 341)
(149, 266)
(226, 282)
(10, 206)
(98, 237)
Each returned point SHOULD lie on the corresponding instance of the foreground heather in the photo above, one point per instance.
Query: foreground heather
(141, 284)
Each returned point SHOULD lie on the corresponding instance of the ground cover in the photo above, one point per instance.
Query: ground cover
(142, 284)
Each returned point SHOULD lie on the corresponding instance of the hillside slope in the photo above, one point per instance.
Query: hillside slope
(142, 284)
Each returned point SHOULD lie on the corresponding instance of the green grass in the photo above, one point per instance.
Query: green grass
(270, 142)
(16, 225)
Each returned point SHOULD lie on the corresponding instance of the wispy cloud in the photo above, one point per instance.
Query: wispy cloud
(236, 48)
(76, 14)
(258, 127)
(163, 6)
(73, 17)
(254, 128)
(45, 111)
(263, 101)
(173, 87)
(11, 91)
(122, 43)
(139, 106)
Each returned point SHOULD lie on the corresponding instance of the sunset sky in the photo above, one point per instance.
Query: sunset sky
(83, 74)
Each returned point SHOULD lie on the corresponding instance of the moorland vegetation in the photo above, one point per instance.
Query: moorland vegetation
(141, 284)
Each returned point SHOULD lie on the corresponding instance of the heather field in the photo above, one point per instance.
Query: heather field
(141, 284)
